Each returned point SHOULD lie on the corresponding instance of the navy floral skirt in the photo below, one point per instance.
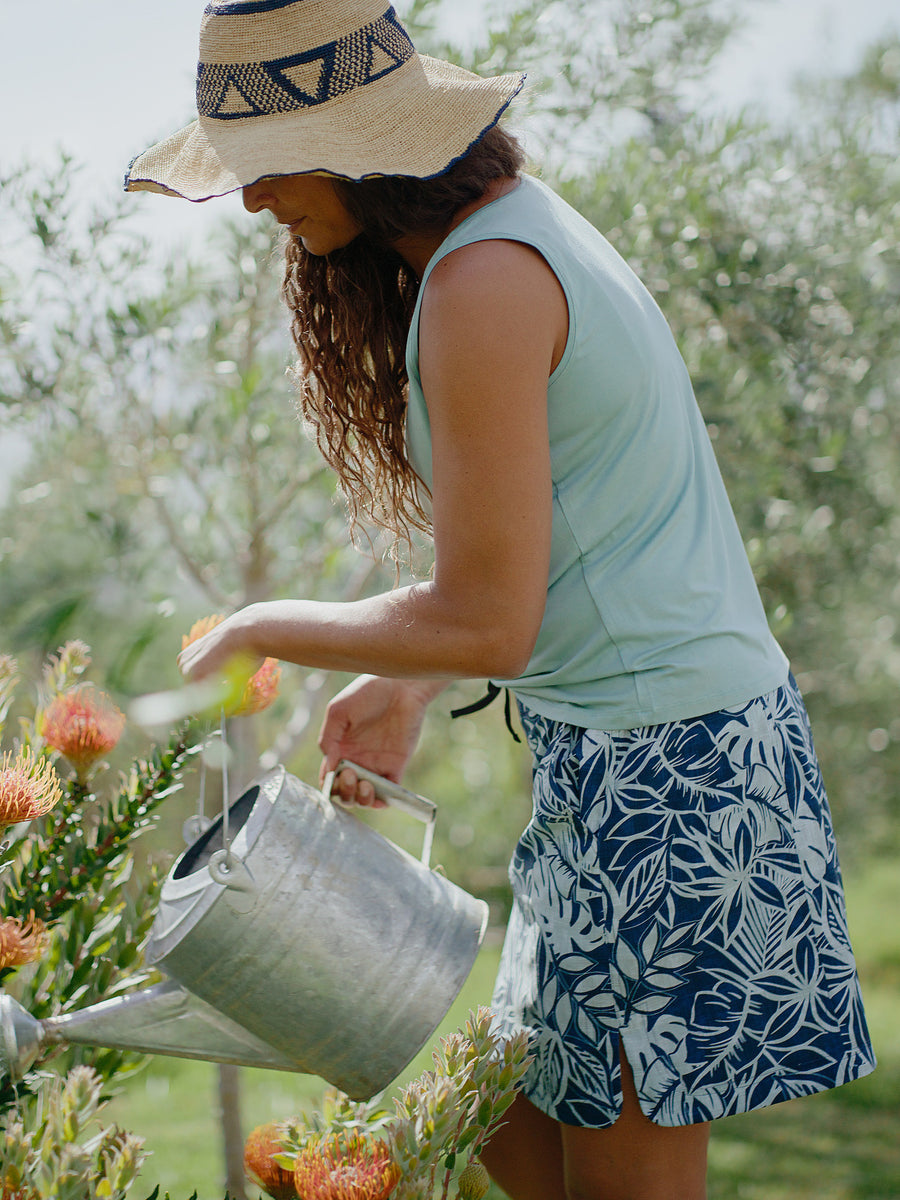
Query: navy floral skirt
(678, 890)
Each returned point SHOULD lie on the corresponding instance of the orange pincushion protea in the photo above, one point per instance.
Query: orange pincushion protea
(21, 941)
(201, 628)
(345, 1167)
(82, 725)
(259, 1162)
(29, 787)
(262, 687)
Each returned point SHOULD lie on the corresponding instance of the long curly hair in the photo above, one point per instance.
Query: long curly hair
(350, 316)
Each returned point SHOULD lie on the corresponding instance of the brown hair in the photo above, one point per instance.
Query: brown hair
(351, 312)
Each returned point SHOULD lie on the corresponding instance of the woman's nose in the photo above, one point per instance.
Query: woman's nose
(257, 196)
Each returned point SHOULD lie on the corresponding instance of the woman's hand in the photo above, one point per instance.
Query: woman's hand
(375, 722)
(225, 651)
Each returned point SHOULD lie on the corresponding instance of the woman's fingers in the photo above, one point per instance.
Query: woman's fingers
(350, 789)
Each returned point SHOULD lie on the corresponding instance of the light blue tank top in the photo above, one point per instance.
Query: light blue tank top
(652, 611)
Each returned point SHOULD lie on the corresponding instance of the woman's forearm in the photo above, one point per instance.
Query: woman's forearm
(411, 633)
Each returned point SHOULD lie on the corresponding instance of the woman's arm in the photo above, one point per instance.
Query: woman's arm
(493, 324)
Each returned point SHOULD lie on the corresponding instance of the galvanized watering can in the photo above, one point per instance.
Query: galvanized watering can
(295, 937)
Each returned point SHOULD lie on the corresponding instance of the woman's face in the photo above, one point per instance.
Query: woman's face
(308, 205)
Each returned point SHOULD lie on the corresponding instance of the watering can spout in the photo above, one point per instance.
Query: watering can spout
(164, 1019)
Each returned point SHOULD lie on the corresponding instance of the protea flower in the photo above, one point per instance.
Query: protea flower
(259, 1162)
(21, 941)
(29, 787)
(82, 725)
(259, 691)
(345, 1167)
(474, 1182)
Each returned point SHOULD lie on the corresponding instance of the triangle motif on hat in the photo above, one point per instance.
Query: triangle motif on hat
(235, 104)
(380, 60)
(305, 78)
(305, 81)
(389, 45)
(252, 89)
(229, 92)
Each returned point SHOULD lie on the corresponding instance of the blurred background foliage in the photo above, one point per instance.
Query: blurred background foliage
(155, 470)
(163, 474)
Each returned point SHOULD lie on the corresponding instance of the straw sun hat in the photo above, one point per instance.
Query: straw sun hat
(332, 86)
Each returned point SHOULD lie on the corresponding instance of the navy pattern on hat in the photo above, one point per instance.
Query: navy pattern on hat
(230, 91)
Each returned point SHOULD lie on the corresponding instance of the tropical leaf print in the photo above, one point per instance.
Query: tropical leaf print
(677, 891)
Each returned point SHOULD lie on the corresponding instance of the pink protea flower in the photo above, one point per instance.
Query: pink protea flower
(261, 688)
(21, 941)
(29, 787)
(82, 725)
(345, 1167)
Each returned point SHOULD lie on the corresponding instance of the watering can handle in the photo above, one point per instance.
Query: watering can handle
(392, 793)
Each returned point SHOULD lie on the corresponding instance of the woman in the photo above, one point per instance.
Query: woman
(476, 361)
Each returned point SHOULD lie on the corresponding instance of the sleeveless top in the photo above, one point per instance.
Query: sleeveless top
(652, 611)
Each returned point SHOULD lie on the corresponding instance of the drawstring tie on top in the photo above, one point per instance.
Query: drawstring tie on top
(488, 698)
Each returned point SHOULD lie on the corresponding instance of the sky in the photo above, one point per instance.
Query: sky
(104, 79)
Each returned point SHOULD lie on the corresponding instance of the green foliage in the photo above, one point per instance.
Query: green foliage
(72, 870)
(442, 1119)
(157, 402)
(154, 1195)
(594, 68)
(337, 1116)
(454, 1109)
(77, 847)
(168, 476)
(53, 1149)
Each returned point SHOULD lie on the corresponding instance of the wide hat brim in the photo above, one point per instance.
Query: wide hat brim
(417, 120)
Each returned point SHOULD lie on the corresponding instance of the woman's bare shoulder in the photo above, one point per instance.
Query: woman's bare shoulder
(491, 263)
(496, 285)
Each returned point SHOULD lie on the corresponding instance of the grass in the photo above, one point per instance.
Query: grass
(841, 1145)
